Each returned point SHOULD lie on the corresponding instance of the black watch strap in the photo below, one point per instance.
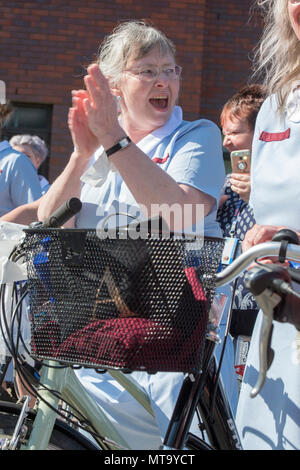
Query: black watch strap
(122, 144)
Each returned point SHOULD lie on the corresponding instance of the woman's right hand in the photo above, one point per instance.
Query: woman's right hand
(85, 142)
(240, 184)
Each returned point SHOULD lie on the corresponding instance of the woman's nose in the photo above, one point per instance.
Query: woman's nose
(226, 140)
(161, 80)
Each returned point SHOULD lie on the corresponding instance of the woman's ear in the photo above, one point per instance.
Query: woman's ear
(115, 90)
(117, 95)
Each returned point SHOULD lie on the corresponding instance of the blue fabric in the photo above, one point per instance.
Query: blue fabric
(19, 182)
(235, 210)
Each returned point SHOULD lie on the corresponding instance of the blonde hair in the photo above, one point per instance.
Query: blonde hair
(277, 55)
(131, 38)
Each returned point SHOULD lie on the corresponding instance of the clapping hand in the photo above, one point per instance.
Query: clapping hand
(85, 142)
(101, 108)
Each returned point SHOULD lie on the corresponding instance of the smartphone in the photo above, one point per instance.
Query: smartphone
(240, 161)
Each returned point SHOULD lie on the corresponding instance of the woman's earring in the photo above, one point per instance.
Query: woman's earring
(119, 99)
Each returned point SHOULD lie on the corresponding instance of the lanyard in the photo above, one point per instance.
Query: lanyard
(237, 213)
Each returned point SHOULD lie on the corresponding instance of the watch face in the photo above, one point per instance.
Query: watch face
(124, 142)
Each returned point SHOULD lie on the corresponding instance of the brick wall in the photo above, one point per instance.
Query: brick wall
(45, 44)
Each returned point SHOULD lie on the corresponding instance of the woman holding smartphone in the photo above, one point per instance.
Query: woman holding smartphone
(234, 215)
(238, 121)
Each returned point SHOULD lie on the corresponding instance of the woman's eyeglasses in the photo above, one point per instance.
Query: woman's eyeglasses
(151, 73)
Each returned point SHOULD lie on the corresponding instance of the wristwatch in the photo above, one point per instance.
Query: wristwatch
(122, 144)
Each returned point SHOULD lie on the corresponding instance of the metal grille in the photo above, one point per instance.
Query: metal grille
(120, 303)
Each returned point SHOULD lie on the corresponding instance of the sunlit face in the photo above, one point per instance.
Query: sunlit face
(144, 104)
(294, 15)
(237, 133)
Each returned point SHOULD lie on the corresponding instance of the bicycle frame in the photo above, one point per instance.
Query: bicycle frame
(66, 383)
(195, 391)
(196, 388)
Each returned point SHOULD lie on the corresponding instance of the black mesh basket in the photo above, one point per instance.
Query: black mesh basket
(120, 303)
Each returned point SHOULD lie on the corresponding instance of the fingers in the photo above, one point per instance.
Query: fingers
(79, 94)
(248, 241)
(78, 108)
(240, 181)
(92, 89)
(96, 109)
(240, 184)
(96, 84)
(264, 233)
(99, 79)
(240, 177)
(259, 234)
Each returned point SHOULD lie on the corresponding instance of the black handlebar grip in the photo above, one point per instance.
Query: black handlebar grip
(285, 236)
(63, 213)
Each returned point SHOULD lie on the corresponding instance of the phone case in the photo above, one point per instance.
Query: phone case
(240, 161)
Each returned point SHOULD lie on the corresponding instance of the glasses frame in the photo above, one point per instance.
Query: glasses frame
(137, 72)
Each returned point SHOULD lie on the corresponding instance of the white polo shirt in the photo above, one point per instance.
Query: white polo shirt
(271, 420)
(190, 152)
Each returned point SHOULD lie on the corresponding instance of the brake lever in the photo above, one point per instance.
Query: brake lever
(267, 301)
(257, 280)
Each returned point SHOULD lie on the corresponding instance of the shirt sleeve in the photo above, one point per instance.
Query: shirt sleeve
(24, 182)
(198, 158)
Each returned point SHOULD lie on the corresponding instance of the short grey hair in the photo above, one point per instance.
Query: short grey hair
(35, 143)
(131, 38)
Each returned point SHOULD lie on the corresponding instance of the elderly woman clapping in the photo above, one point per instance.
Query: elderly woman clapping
(132, 147)
(159, 157)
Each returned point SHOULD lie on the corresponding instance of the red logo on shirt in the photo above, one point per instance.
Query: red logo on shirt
(275, 136)
(161, 160)
(1, 171)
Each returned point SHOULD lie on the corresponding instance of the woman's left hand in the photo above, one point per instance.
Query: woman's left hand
(261, 234)
(240, 184)
(101, 108)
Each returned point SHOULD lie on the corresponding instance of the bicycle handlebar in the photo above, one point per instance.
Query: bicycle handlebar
(262, 250)
(61, 215)
(273, 294)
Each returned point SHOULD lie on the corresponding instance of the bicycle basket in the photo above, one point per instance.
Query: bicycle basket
(120, 303)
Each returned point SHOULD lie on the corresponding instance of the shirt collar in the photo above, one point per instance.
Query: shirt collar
(293, 103)
(150, 142)
(4, 145)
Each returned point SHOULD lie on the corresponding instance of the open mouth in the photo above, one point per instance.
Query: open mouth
(159, 102)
